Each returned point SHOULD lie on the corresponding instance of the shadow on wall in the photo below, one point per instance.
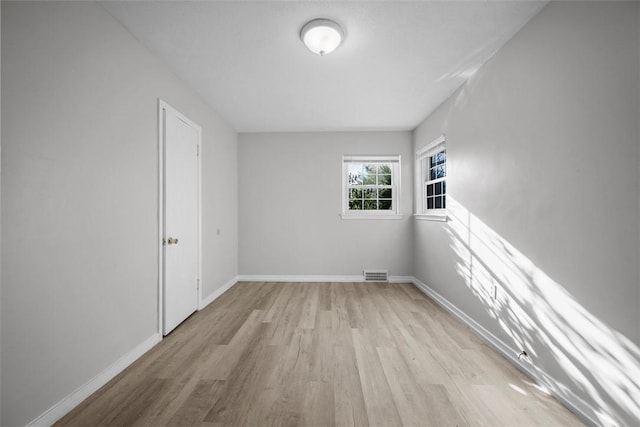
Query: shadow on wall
(538, 313)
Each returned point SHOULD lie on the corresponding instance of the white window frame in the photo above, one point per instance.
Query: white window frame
(421, 172)
(394, 213)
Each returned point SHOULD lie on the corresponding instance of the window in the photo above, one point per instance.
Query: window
(431, 167)
(371, 186)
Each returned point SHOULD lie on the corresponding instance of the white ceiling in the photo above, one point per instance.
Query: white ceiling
(399, 61)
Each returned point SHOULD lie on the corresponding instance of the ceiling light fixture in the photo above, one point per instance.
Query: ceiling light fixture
(322, 36)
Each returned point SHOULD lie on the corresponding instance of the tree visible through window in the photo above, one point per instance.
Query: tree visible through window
(370, 185)
(431, 181)
(436, 185)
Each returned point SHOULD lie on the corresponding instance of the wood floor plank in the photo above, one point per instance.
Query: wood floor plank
(349, 405)
(320, 354)
(288, 407)
(309, 306)
(378, 396)
(318, 404)
(324, 302)
(199, 403)
(407, 394)
(244, 381)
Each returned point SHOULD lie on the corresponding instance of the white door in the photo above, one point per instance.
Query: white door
(181, 217)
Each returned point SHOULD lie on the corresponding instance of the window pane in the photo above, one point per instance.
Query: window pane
(355, 205)
(384, 174)
(438, 188)
(355, 193)
(384, 169)
(439, 158)
(384, 205)
(370, 205)
(441, 171)
(438, 203)
(430, 203)
(444, 202)
(444, 187)
(369, 193)
(432, 161)
(370, 171)
(385, 193)
(429, 190)
(384, 179)
(432, 174)
(369, 179)
(354, 171)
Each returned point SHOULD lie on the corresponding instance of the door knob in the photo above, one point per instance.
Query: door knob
(172, 241)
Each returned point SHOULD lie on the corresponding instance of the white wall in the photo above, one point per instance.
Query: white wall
(0, 219)
(79, 198)
(639, 157)
(543, 150)
(290, 201)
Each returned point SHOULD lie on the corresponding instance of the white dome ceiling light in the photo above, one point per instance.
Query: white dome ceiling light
(322, 36)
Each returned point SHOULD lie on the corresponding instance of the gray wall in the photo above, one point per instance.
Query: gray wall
(79, 198)
(543, 151)
(290, 201)
(0, 221)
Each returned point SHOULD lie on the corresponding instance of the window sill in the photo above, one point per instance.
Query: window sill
(357, 216)
(441, 217)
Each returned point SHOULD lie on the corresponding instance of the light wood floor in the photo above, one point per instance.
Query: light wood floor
(321, 354)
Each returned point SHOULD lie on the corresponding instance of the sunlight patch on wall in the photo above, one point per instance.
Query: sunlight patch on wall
(539, 315)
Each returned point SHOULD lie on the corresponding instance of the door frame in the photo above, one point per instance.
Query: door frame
(162, 108)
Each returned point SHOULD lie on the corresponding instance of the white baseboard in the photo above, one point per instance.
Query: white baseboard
(215, 294)
(572, 401)
(311, 278)
(292, 278)
(63, 407)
